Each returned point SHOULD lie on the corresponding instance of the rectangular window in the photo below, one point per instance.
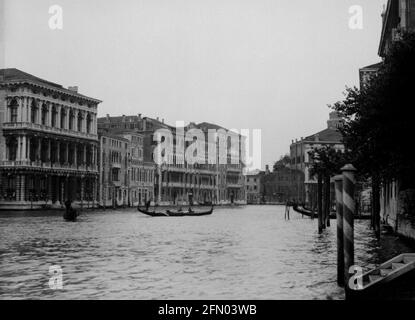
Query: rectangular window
(13, 114)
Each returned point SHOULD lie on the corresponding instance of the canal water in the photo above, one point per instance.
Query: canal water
(236, 253)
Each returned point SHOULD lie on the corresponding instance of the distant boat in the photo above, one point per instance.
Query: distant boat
(375, 279)
(152, 213)
(189, 213)
(175, 213)
(308, 213)
(206, 204)
(70, 214)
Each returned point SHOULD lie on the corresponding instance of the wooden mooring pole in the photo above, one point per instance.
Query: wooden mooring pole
(348, 223)
(338, 183)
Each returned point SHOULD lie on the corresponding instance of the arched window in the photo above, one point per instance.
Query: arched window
(33, 112)
(13, 110)
(88, 123)
(79, 122)
(12, 146)
(44, 115)
(71, 119)
(54, 114)
(63, 118)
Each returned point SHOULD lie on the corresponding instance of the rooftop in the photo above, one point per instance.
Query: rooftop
(11, 75)
(375, 66)
(329, 135)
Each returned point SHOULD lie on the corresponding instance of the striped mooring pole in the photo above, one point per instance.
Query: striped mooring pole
(338, 183)
(348, 213)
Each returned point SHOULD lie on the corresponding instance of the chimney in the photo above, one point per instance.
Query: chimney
(123, 118)
(317, 137)
(108, 117)
(73, 88)
(157, 119)
(162, 120)
(139, 116)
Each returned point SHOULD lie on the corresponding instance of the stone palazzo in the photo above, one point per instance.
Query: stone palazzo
(48, 143)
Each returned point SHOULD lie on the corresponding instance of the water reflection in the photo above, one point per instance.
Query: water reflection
(242, 253)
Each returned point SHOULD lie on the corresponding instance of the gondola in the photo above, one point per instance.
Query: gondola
(189, 213)
(308, 213)
(206, 204)
(70, 214)
(153, 213)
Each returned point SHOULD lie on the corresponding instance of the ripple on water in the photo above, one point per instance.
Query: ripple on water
(244, 253)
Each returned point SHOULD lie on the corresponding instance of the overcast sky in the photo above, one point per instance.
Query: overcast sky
(256, 64)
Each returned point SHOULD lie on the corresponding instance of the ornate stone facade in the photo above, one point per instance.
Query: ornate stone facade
(48, 143)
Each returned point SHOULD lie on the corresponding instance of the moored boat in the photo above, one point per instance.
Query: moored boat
(153, 213)
(375, 283)
(70, 214)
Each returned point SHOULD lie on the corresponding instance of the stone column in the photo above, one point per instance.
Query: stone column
(84, 120)
(24, 156)
(19, 148)
(58, 116)
(58, 152)
(29, 109)
(29, 139)
(67, 118)
(67, 153)
(49, 117)
(39, 112)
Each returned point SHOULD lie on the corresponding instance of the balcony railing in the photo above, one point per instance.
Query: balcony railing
(48, 165)
(53, 130)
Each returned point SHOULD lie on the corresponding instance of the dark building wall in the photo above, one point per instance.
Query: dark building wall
(282, 185)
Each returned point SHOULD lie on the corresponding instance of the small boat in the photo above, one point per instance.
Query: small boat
(377, 279)
(152, 213)
(308, 213)
(206, 204)
(189, 213)
(70, 214)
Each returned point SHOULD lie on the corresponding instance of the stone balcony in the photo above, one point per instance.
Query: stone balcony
(188, 185)
(47, 129)
(234, 185)
(233, 169)
(27, 164)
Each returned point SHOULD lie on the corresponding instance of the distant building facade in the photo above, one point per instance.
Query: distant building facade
(254, 187)
(281, 185)
(140, 173)
(48, 143)
(113, 170)
(179, 181)
(300, 158)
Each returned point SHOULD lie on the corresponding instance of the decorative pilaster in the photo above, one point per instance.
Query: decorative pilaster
(19, 148)
(67, 110)
(58, 116)
(29, 109)
(50, 115)
(67, 153)
(39, 149)
(24, 144)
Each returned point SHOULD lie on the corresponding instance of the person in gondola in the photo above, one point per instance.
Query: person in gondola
(148, 203)
(287, 210)
(70, 212)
